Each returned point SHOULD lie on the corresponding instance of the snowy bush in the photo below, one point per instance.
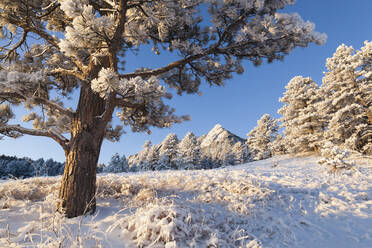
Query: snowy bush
(335, 158)
(171, 226)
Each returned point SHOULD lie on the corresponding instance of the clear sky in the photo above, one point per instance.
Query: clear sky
(244, 99)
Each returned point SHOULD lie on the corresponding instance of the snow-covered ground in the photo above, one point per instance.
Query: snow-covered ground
(280, 202)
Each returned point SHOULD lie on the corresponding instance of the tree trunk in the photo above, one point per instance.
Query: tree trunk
(78, 186)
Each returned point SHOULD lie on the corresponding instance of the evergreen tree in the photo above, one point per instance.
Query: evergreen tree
(189, 153)
(279, 146)
(39, 167)
(152, 159)
(259, 141)
(117, 164)
(168, 152)
(240, 153)
(304, 127)
(347, 91)
(226, 155)
(137, 161)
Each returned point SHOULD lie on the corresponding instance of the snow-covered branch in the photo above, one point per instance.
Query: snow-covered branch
(159, 71)
(15, 131)
(12, 96)
(68, 72)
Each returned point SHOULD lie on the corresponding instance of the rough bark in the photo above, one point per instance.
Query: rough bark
(78, 186)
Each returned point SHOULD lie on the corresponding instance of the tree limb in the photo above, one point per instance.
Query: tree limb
(44, 101)
(168, 67)
(17, 45)
(13, 130)
(68, 72)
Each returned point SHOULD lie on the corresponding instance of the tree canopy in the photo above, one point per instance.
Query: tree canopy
(53, 46)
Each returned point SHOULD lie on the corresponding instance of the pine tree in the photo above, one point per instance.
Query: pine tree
(279, 145)
(168, 152)
(259, 141)
(240, 153)
(117, 164)
(304, 127)
(189, 153)
(53, 48)
(136, 161)
(226, 155)
(152, 159)
(347, 94)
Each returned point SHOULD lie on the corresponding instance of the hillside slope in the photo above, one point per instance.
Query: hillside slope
(280, 202)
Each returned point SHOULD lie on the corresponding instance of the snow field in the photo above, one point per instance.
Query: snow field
(279, 202)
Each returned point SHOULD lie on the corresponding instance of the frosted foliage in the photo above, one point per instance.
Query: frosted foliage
(347, 121)
(259, 141)
(172, 25)
(347, 94)
(279, 146)
(148, 95)
(29, 88)
(240, 153)
(64, 46)
(107, 82)
(304, 127)
(335, 159)
(18, 82)
(88, 32)
(5, 114)
(73, 8)
(152, 159)
(171, 226)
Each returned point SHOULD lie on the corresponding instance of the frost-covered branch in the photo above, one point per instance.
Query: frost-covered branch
(16, 94)
(15, 131)
(159, 71)
(62, 71)
(54, 105)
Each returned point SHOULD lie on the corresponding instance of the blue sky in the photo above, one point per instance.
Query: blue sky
(244, 99)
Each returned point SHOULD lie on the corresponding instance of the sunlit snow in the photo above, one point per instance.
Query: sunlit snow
(279, 202)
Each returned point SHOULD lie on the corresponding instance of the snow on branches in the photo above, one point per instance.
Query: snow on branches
(335, 158)
(261, 138)
(347, 91)
(78, 44)
(303, 124)
(88, 33)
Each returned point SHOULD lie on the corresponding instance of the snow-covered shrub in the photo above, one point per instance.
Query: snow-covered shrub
(170, 226)
(335, 158)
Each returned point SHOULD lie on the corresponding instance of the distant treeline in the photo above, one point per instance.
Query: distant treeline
(11, 166)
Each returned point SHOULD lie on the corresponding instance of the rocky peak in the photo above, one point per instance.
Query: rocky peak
(219, 135)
